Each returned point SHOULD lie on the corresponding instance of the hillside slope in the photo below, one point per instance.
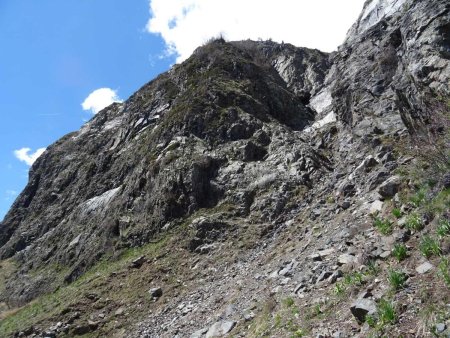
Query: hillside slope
(257, 188)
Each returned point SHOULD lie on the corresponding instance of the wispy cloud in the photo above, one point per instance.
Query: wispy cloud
(25, 155)
(186, 24)
(11, 193)
(99, 99)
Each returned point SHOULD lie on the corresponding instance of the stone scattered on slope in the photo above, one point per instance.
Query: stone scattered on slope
(199, 333)
(138, 262)
(155, 292)
(220, 328)
(389, 187)
(346, 259)
(363, 307)
(424, 267)
(376, 207)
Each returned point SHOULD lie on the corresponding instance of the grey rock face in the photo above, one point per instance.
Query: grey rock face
(381, 72)
(209, 132)
(253, 134)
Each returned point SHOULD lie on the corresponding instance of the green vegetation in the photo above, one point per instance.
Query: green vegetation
(386, 315)
(371, 321)
(400, 252)
(386, 312)
(418, 198)
(339, 288)
(351, 279)
(372, 268)
(443, 228)
(383, 225)
(355, 278)
(317, 310)
(396, 279)
(397, 213)
(278, 321)
(414, 222)
(429, 246)
(288, 302)
(444, 270)
(52, 304)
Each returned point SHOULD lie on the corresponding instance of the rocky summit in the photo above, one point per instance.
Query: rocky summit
(257, 189)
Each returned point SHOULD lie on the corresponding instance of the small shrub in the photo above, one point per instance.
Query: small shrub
(384, 226)
(429, 247)
(418, 198)
(355, 278)
(400, 252)
(443, 228)
(317, 310)
(288, 302)
(277, 320)
(396, 279)
(414, 222)
(397, 213)
(371, 321)
(339, 288)
(358, 278)
(372, 268)
(444, 270)
(386, 312)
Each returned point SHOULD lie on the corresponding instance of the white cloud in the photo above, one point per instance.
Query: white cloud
(11, 193)
(186, 24)
(24, 155)
(99, 99)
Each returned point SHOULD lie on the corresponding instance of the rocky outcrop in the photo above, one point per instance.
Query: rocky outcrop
(244, 148)
(211, 131)
(394, 60)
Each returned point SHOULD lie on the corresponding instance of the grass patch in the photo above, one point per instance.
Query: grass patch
(444, 270)
(439, 203)
(414, 222)
(351, 279)
(50, 305)
(371, 321)
(384, 226)
(397, 213)
(396, 279)
(288, 302)
(339, 289)
(386, 315)
(386, 312)
(400, 252)
(429, 247)
(418, 199)
(373, 268)
(443, 228)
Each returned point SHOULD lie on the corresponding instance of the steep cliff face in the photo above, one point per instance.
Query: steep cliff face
(179, 144)
(398, 52)
(248, 156)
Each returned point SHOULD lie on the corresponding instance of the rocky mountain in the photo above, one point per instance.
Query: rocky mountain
(256, 189)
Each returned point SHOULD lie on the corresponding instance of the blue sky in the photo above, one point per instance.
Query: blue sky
(53, 54)
(56, 53)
